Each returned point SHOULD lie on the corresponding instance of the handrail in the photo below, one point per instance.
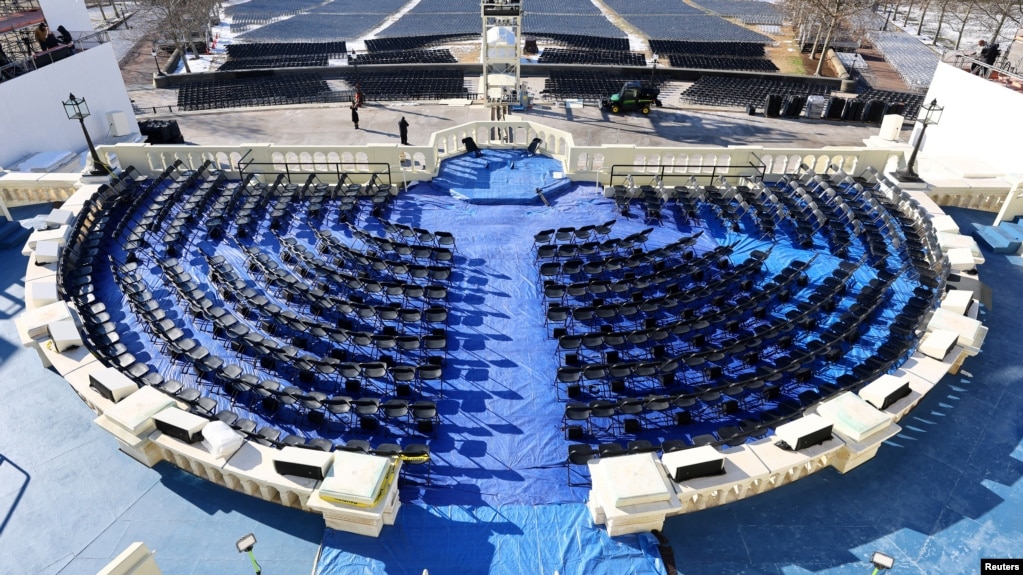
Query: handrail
(293, 168)
(969, 63)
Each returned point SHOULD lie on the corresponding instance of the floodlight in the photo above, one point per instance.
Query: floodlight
(245, 544)
(881, 561)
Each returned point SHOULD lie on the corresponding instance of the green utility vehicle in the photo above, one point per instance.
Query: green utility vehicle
(633, 96)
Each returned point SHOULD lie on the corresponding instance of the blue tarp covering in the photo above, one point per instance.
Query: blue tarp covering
(511, 540)
(497, 471)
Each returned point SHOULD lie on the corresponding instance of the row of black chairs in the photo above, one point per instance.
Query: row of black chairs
(722, 62)
(402, 43)
(269, 62)
(712, 90)
(435, 56)
(245, 92)
(586, 42)
(256, 50)
(573, 234)
(584, 84)
(406, 233)
(578, 56)
(409, 84)
(737, 49)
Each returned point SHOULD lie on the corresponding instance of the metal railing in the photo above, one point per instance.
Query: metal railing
(83, 41)
(335, 169)
(980, 68)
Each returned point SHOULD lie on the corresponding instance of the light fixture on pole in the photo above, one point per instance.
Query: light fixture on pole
(881, 562)
(930, 114)
(653, 69)
(77, 109)
(245, 545)
(159, 72)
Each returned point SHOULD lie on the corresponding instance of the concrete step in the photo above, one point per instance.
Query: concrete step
(1012, 231)
(995, 240)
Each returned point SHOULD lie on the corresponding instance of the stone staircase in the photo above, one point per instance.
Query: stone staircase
(1005, 238)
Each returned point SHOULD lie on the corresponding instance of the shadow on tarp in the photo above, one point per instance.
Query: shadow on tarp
(511, 540)
(214, 499)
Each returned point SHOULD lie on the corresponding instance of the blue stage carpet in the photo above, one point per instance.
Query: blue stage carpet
(511, 540)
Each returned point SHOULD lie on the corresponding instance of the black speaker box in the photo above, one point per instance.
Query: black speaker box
(702, 469)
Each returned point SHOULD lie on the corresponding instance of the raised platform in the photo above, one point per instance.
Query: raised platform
(503, 177)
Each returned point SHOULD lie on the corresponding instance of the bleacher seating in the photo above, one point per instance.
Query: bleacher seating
(268, 91)
(594, 25)
(586, 85)
(747, 11)
(254, 13)
(570, 56)
(336, 49)
(726, 91)
(736, 49)
(398, 43)
(410, 84)
(698, 27)
(284, 61)
(409, 57)
(721, 63)
(610, 44)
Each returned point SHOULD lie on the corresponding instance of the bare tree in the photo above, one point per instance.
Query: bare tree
(908, 10)
(830, 13)
(923, 14)
(941, 20)
(961, 12)
(999, 13)
(181, 20)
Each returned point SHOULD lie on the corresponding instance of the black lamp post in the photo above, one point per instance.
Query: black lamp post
(653, 70)
(931, 114)
(77, 109)
(159, 72)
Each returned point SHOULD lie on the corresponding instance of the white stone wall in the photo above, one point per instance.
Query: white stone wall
(32, 118)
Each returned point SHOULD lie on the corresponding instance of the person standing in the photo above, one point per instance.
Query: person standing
(355, 115)
(979, 54)
(403, 131)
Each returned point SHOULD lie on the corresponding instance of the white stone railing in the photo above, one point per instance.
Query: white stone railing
(606, 164)
(27, 188)
(412, 163)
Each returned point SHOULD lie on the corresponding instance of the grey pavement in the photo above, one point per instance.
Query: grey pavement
(667, 126)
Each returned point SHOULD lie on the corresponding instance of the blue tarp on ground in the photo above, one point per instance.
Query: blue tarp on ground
(510, 540)
(497, 472)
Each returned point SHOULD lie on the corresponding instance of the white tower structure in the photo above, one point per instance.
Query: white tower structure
(502, 50)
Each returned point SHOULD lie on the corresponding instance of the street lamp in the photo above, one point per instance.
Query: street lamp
(159, 72)
(881, 562)
(930, 115)
(77, 109)
(654, 69)
(245, 545)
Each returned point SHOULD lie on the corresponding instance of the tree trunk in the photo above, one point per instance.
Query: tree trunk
(816, 41)
(941, 20)
(923, 12)
(824, 48)
(908, 10)
(117, 13)
(966, 17)
(102, 12)
(183, 50)
(998, 29)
